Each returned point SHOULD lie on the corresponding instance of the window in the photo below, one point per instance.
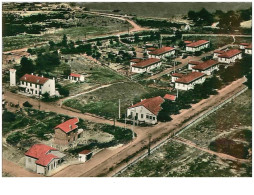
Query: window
(150, 117)
(142, 115)
(136, 114)
(153, 118)
(147, 116)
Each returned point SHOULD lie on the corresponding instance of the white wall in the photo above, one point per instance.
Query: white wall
(173, 78)
(183, 86)
(30, 163)
(142, 114)
(208, 71)
(248, 51)
(146, 69)
(230, 60)
(12, 77)
(199, 48)
(49, 87)
(170, 53)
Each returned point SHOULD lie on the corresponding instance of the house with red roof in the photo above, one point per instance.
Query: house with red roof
(146, 111)
(243, 45)
(170, 97)
(76, 77)
(197, 45)
(85, 155)
(192, 64)
(176, 76)
(43, 159)
(230, 56)
(206, 67)
(67, 132)
(248, 49)
(188, 81)
(162, 52)
(216, 53)
(145, 65)
(36, 85)
(135, 60)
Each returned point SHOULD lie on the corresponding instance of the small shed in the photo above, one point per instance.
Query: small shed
(85, 155)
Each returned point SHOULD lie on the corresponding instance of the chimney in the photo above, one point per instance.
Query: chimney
(42, 76)
(32, 73)
(70, 126)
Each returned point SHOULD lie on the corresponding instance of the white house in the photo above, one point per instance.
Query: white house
(206, 67)
(145, 65)
(230, 56)
(36, 85)
(85, 155)
(188, 81)
(248, 49)
(43, 159)
(216, 53)
(146, 110)
(162, 52)
(76, 77)
(176, 76)
(243, 45)
(192, 64)
(197, 46)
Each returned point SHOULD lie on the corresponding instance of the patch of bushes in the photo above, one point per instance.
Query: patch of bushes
(27, 104)
(16, 137)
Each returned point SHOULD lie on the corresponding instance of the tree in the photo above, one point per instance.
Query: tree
(64, 41)
(192, 15)
(47, 61)
(8, 116)
(45, 96)
(27, 66)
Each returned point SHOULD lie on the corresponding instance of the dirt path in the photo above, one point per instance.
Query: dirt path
(15, 170)
(220, 155)
(102, 164)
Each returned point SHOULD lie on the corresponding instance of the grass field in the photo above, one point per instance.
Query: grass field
(104, 102)
(178, 160)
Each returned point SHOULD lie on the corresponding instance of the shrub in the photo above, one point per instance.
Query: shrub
(8, 116)
(27, 104)
(14, 138)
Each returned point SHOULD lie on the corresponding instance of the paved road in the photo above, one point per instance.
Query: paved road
(101, 163)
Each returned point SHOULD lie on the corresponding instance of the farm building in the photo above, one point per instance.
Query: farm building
(162, 52)
(43, 159)
(35, 85)
(146, 110)
(192, 64)
(248, 49)
(197, 46)
(230, 56)
(76, 77)
(175, 76)
(67, 132)
(206, 67)
(145, 65)
(85, 155)
(188, 81)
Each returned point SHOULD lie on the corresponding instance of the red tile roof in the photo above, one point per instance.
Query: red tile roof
(69, 125)
(244, 44)
(38, 150)
(249, 47)
(190, 77)
(44, 160)
(34, 79)
(187, 42)
(194, 62)
(85, 152)
(197, 43)
(230, 53)
(75, 75)
(151, 104)
(170, 97)
(151, 48)
(218, 51)
(147, 62)
(205, 65)
(177, 75)
(136, 60)
(162, 50)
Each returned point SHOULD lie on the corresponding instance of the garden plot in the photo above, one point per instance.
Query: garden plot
(178, 160)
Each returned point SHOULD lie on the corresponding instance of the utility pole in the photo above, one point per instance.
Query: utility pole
(174, 66)
(119, 114)
(149, 144)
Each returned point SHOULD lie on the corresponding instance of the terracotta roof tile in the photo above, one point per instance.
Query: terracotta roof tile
(151, 48)
(190, 77)
(194, 62)
(85, 152)
(34, 79)
(162, 50)
(244, 44)
(75, 75)
(197, 43)
(136, 60)
(44, 160)
(68, 125)
(249, 47)
(38, 150)
(177, 75)
(147, 62)
(170, 97)
(205, 65)
(230, 53)
(151, 104)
